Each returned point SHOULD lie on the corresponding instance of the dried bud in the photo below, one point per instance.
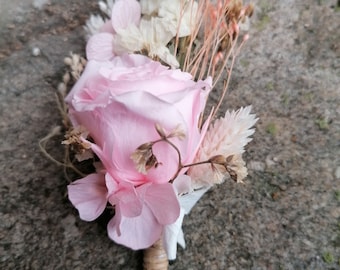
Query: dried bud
(75, 58)
(66, 78)
(249, 10)
(177, 132)
(219, 174)
(145, 146)
(236, 168)
(232, 173)
(152, 162)
(83, 61)
(144, 158)
(160, 130)
(68, 61)
(62, 89)
(229, 159)
(218, 159)
(76, 139)
(142, 154)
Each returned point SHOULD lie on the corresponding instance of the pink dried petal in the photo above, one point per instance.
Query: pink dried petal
(124, 13)
(137, 232)
(163, 202)
(99, 47)
(88, 195)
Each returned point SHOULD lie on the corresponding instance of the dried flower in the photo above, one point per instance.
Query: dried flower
(144, 158)
(177, 132)
(179, 13)
(94, 25)
(227, 136)
(76, 63)
(142, 27)
(106, 7)
(76, 138)
(237, 169)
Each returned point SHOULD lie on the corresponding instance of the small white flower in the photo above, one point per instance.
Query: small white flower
(151, 35)
(156, 34)
(180, 12)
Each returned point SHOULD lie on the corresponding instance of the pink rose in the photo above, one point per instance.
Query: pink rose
(119, 102)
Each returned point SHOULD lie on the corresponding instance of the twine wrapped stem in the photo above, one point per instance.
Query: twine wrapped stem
(155, 257)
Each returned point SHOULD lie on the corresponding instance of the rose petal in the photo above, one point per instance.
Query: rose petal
(89, 73)
(111, 184)
(88, 195)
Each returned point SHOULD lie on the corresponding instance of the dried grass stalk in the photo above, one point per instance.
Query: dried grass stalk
(155, 257)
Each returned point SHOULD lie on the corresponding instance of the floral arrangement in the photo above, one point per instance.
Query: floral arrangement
(138, 110)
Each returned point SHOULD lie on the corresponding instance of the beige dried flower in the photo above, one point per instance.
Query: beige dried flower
(176, 132)
(75, 138)
(144, 158)
(76, 64)
(226, 137)
(237, 169)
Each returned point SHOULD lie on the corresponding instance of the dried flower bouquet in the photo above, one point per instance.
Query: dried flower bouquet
(138, 110)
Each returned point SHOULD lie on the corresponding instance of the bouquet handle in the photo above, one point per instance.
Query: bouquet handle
(155, 257)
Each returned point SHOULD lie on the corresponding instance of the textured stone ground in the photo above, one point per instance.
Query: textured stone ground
(287, 216)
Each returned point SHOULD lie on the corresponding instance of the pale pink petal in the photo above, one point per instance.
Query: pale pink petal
(88, 74)
(190, 101)
(111, 184)
(138, 73)
(182, 184)
(163, 202)
(107, 28)
(137, 232)
(88, 100)
(88, 195)
(130, 204)
(124, 13)
(99, 47)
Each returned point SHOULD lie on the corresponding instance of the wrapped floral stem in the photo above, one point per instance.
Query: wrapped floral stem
(155, 257)
(138, 110)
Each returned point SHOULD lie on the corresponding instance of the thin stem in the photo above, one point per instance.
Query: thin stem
(180, 166)
(196, 163)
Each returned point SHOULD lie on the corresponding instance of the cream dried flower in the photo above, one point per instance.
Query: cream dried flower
(93, 25)
(181, 13)
(227, 136)
(106, 6)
